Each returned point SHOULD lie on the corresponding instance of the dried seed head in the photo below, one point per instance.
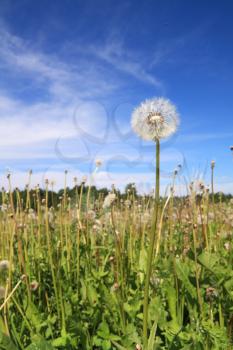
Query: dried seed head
(109, 199)
(211, 293)
(23, 278)
(4, 265)
(138, 347)
(98, 163)
(84, 179)
(115, 287)
(155, 119)
(34, 286)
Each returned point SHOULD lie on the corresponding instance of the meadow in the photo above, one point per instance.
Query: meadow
(73, 269)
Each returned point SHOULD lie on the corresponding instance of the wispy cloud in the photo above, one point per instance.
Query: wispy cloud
(63, 81)
(114, 53)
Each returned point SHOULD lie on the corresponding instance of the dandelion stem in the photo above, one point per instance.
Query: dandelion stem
(151, 247)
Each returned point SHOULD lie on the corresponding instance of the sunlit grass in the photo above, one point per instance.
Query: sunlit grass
(73, 270)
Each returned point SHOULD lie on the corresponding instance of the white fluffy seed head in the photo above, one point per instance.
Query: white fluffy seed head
(155, 119)
(109, 199)
(4, 265)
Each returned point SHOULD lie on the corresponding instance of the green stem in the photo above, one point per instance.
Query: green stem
(151, 247)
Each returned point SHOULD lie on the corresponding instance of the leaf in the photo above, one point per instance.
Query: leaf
(182, 272)
(106, 345)
(6, 343)
(143, 260)
(34, 316)
(208, 260)
(118, 346)
(103, 330)
(142, 264)
(60, 341)
(40, 344)
(92, 295)
(152, 337)
(171, 299)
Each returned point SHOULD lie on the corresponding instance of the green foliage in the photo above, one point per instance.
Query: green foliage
(91, 275)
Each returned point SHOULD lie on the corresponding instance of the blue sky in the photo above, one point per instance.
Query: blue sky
(72, 72)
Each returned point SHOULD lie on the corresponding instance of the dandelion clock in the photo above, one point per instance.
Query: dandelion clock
(153, 120)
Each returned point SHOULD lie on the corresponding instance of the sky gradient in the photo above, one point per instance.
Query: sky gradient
(72, 72)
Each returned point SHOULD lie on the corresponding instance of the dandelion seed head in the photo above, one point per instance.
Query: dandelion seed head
(155, 119)
(138, 347)
(34, 286)
(4, 265)
(84, 179)
(98, 163)
(109, 199)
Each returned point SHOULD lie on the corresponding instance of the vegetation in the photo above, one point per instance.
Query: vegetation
(73, 269)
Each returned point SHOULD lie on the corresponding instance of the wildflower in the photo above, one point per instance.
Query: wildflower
(115, 287)
(34, 286)
(109, 199)
(211, 293)
(98, 163)
(98, 222)
(155, 119)
(4, 207)
(31, 214)
(4, 265)
(91, 215)
(23, 278)
(127, 203)
(212, 164)
(227, 245)
(84, 180)
(2, 292)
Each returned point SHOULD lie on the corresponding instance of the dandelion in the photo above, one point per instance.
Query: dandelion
(98, 163)
(4, 265)
(108, 201)
(91, 215)
(127, 203)
(138, 347)
(84, 180)
(154, 120)
(211, 293)
(34, 286)
(227, 245)
(212, 163)
(115, 287)
(4, 207)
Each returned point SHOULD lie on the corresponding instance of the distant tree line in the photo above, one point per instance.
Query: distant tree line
(72, 195)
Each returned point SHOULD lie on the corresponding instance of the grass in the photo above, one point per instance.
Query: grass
(77, 272)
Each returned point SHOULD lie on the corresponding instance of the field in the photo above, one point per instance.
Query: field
(74, 269)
